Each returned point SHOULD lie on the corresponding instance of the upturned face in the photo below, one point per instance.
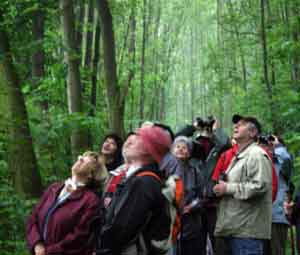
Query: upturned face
(134, 148)
(82, 169)
(181, 151)
(109, 146)
(242, 132)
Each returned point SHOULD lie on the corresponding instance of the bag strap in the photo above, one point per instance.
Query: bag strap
(149, 173)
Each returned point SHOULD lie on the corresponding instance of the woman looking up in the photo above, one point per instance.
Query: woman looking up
(62, 221)
(111, 151)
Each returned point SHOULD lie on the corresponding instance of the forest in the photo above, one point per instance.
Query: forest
(73, 70)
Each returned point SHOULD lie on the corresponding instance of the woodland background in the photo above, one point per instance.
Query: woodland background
(73, 70)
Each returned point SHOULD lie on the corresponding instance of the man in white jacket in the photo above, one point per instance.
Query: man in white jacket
(245, 209)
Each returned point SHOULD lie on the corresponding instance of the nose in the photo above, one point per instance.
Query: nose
(80, 158)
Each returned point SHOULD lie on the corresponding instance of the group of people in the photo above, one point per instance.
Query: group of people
(195, 192)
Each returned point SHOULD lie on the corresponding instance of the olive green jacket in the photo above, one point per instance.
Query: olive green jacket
(245, 211)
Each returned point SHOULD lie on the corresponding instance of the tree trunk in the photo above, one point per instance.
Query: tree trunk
(268, 84)
(110, 67)
(89, 34)
(21, 157)
(78, 136)
(79, 11)
(95, 61)
(142, 85)
(96, 47)
(192, 73)
(38, 56)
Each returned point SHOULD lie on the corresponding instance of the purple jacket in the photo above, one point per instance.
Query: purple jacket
(69, 226)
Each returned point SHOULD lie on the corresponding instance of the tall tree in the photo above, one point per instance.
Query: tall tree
(78, 136)
(113, 90)
(21, 157)
(38, 56)
(265, 59)
(88, 34)
(142, 85)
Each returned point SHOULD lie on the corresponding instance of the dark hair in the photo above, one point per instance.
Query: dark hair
(117, 157)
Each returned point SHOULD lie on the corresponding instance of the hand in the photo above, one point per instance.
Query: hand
(288, 207)
(39, 249)
(220, 188)
(187, 209)
(216, 125)
(276, 141)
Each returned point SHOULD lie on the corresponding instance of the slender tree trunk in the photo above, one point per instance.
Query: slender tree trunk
(21, 156)
(142, 85)
(38, 56)
(192, 74)
(79, 11)
(110, 67)
(162, 114)
(296, 36)
(131, 54)
(78, 136)
(89, 34)
(240, 46)
(268, 84)
(96, 47)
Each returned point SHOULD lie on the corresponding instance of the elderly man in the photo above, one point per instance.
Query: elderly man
(245, 210)
(136, 220)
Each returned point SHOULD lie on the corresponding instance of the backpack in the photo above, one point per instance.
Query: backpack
(172, 190)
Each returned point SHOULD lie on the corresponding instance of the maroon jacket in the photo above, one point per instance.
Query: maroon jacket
(69, 226)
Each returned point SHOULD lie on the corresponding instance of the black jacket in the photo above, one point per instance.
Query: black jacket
(137, 208)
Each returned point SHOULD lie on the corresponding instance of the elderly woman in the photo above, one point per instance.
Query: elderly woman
(192, 237)
(62, 221)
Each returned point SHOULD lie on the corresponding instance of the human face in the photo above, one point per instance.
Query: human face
(109, 146)
(181, 151)
(134, 148)
(82, 168)
(242, 132)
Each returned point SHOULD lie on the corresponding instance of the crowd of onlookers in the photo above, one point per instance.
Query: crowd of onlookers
(198, 191)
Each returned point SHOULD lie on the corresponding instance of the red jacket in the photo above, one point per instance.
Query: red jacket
(225, 160)
(69, 226)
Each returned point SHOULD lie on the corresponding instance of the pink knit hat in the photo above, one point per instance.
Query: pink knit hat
(156, 140)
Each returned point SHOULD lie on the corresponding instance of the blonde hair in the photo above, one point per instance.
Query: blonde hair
(97, 166)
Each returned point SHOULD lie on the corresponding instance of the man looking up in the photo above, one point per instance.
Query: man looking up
(245, 209)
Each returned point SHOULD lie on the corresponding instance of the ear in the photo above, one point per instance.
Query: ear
(253, 133)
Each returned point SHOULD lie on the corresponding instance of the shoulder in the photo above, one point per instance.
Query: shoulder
(91, 196)
(146, 184)
(148, 178)
(54, 187)
(256, 150)
(282, 152)
(258, 154)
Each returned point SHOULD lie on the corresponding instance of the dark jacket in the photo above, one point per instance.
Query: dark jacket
(193, 184)
(137, 208)
(69, 226)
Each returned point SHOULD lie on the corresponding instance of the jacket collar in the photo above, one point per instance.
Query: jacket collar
(243, 152)
(75, 195)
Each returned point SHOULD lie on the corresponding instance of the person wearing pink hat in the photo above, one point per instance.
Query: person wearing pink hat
(136, 218)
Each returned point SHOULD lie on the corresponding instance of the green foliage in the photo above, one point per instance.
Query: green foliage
(13, 212)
